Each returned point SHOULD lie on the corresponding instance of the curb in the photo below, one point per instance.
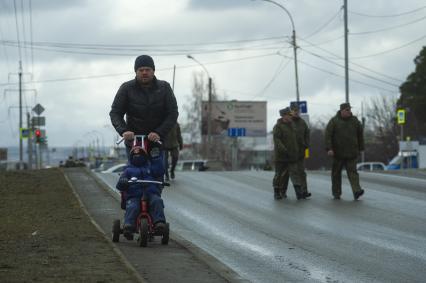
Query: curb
(107, 239)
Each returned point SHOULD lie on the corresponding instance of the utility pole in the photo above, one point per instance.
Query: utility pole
(209, 109)
(30, 141)
(20, 91)
(21, 150)
(174, 72)
(293, 42)
(345, 8)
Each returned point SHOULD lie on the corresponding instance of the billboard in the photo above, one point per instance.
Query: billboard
(248, 115)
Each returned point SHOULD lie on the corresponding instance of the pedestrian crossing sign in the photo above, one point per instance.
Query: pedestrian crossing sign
(401, 116)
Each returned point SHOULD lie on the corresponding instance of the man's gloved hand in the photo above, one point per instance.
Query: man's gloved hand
(180, 146)
(123, 183)
(155, 152)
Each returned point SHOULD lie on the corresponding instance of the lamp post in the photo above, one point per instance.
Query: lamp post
(293, 42)
(209, 105)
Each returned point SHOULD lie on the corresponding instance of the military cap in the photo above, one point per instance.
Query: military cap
(345, 105)
(285, 111)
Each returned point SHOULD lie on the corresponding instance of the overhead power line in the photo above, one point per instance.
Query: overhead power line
(122, 74)
(158, 50)
(325, 24)
(17, 30)
(350, 69)
(388, 16)
(390, 50)
(335, 56)
(388, 28)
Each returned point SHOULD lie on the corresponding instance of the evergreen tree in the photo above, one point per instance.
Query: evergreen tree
(413, 99)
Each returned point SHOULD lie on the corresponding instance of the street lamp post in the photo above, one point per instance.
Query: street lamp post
(209, 105)
(293, 42)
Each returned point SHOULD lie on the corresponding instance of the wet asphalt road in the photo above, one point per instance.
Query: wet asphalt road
(232, 216)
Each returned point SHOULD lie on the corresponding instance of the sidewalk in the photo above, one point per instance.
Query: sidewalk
(179, 261)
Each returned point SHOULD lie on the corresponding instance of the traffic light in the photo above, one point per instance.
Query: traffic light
(37, 134)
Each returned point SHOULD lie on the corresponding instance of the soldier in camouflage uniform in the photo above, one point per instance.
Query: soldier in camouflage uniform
(172, 144)
(344, 140)
(286, 154)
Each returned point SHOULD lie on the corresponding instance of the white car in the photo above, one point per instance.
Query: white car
(371, 166)
(119, 168)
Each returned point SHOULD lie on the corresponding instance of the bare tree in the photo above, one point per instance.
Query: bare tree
(381, 131)
(219, 147)
(192, 109)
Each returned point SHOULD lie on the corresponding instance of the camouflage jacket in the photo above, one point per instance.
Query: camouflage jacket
(344, 136)
(174, 138)
(286, 148)
(302, 134)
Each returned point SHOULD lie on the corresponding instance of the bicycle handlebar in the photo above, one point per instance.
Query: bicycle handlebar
(135, 180)
(122, 139)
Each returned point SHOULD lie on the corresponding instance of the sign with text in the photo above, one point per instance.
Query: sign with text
(38, 121)
(248, 115)
(303, 106)
(25, 133)
(236, 132)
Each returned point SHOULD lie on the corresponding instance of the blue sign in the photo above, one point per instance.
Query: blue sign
(303, 106)
(236, 132)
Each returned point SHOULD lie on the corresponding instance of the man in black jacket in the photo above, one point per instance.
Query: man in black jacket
(148, 103)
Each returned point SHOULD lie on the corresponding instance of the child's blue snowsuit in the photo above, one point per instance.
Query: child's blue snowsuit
(143, 168)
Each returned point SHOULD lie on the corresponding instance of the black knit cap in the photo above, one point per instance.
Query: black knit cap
(144, 61)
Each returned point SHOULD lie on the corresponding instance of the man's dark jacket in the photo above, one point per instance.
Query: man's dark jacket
(151, 109)
(344, 136)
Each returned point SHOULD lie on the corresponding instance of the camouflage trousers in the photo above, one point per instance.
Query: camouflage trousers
(336, 175)
(300, 168)
(284, 171)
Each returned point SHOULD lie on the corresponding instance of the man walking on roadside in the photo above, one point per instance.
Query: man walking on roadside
(173, 144)
(148, 103)
(286, 154)
(344, 140)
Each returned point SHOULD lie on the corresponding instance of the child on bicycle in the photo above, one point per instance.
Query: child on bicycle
(142, 166)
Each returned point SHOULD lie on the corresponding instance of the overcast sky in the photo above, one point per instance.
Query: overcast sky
(76, 54)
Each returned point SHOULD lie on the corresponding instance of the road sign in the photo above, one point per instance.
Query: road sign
(38, 121)
(236, 132)
(303, 106)
(25, 133)
(401, 116)
(38, 109)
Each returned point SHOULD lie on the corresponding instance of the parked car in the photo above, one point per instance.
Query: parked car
(191, 165)
(371, 166)
(200, 165)
(118, 169)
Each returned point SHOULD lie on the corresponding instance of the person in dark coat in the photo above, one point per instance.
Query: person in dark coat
(149, 105)
(148, 167)
(286, 152)
(172, 145)
(344, 140)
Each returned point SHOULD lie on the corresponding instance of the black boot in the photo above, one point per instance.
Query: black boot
(277, 193)
(299, 193)
(307, 194)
